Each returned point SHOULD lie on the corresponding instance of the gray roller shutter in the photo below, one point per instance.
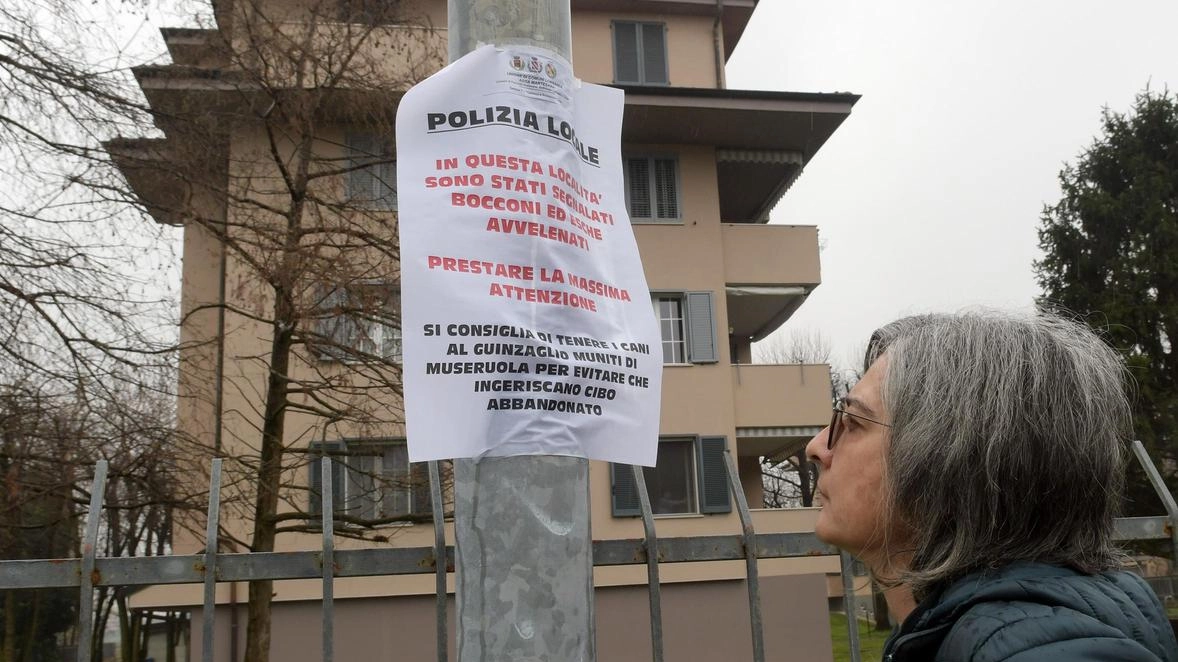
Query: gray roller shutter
(714, 493)
(701, 329)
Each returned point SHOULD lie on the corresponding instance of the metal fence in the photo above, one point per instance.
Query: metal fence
(89, 572)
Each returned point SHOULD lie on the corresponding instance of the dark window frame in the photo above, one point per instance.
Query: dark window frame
(351, 496)
(372, 333)
(371, 181)
(712, 492)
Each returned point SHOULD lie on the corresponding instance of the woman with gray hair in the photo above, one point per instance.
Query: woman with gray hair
(976, 469)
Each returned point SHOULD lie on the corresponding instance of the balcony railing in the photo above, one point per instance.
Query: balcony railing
(778, 396)
(770, 254)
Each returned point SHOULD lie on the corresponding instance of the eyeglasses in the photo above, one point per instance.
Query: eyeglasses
(836, 420)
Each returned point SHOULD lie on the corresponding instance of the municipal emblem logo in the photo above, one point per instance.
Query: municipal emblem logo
(534, 65)
(517, 62)
(550, 69)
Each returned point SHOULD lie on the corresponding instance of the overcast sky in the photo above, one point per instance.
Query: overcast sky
(928, 196)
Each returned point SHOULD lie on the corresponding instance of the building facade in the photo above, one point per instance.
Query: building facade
(277, 160)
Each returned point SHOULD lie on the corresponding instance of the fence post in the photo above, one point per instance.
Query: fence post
(212, 528)
(435, 491)
(654, 589)
(750, 557)
(1163, 492)
(848, 576)
(89, 544)
(327, 560)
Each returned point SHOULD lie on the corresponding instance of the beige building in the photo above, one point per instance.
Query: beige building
(704, 165)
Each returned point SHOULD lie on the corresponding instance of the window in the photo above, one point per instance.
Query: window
(652, 188)
(371, 480)
(686, 326)
(690, 476)
(640, 53)
(360, 321)
(367, 12)
(669, 312)
(372, 180)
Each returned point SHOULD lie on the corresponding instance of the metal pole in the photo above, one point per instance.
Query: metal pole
(521, 524)
(327, 560)
(1163, 492)
(653, 586)
(750, 557)
(435, 490)
(212, 526)
(846, 567)
(522, 554)
(89, 543)
(542, 23)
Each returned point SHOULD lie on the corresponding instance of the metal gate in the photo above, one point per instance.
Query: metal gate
(89, 572)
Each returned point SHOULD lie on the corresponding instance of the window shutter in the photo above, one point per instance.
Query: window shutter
(423, 502)
(329, 300)
(390, 332)
(362, 495)
(315, 502)
(714, 493)
(361, 183)
(315, 507)
(666, 186)
(624, 491)
(654, 53)
(701, 333)
(638, 187)
(626, 52)
(387, 182)
(338, 325)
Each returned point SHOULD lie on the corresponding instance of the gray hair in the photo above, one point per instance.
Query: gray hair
(1008, 442)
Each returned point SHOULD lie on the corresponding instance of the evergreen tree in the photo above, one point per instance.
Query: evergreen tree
(1111, 255)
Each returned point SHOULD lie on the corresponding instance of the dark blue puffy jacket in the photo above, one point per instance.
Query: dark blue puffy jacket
(1031, 612)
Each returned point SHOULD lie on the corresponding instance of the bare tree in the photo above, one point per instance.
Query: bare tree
(278, 160)
(789, 482)
(50, 436)
(86, 338)
(73, 310)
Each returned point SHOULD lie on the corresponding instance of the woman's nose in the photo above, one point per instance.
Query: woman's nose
(816, 449)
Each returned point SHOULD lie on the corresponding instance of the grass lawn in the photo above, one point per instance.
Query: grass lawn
(871, 642)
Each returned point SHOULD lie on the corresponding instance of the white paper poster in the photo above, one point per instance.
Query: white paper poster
(527, 321)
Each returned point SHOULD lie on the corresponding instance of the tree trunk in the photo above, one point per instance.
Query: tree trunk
(9, 650)
(173, 637)
(805, 480)
(124, 630)
(34, 628)
(261, 593)
(144, 619)
(880, 607)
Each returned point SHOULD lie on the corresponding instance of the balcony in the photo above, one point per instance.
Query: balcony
(760, 140)
(769, 271)
(770, 254)
(779, 407)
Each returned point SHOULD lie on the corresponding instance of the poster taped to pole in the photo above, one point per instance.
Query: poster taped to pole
(526, 319)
